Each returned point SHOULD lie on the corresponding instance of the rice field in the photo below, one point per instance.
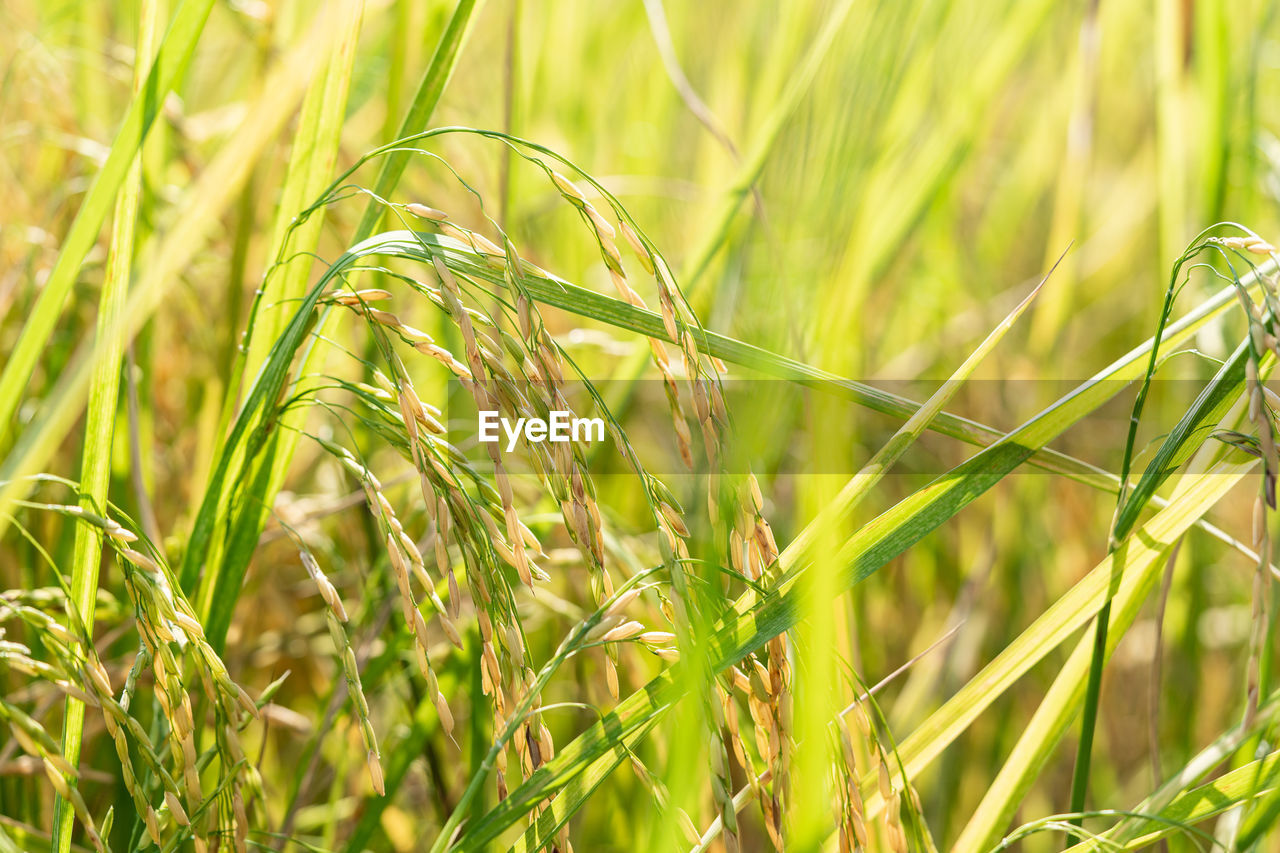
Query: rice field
(449, 425)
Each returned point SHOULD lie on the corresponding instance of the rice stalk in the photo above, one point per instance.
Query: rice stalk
(104, 391)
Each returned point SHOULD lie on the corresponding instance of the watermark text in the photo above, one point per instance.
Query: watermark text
(559, 427)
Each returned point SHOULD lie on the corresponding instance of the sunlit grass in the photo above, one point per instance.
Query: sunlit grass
(809, 593)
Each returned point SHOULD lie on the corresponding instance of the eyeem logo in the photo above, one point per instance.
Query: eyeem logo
(561, 426)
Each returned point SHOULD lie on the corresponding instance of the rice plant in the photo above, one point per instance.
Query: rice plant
(462, 426)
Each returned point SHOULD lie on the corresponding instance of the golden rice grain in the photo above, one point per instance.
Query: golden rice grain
(423, 212)
(375, 773)
(637, 246)
(566, 186)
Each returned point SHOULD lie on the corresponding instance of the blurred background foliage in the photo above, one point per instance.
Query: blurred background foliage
(871, 205)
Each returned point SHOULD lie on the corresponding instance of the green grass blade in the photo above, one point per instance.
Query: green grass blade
(747, 631)
(568, 801)
(900, 174)
(104, 394)
(575, 793)
(1063, 700)
(314, 154)
(840, 508)
(214, 191)
(219, 589)
(882, 540)
(908, 176)
(1129, 573)
(1190, 433)
(755, 621)
(1186, 438)
(1205, 762)
(757, 154)
(170, 62)
(1234, 788)
(433, 84)
(591, 305)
